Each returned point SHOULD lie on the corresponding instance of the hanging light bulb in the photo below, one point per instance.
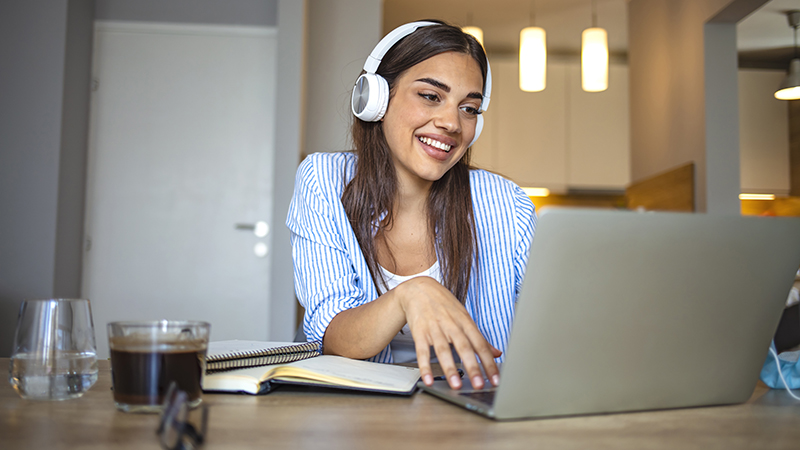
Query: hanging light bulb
(594, 57)
(532, 57)
(790, 87)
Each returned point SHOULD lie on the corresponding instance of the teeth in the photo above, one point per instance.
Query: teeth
(433, 143)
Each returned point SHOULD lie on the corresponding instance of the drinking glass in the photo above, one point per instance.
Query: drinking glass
(147, 356)
(54, 355)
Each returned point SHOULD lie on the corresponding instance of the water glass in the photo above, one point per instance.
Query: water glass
(54, 355)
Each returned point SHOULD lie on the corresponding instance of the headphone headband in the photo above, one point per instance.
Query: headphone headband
(388, 41)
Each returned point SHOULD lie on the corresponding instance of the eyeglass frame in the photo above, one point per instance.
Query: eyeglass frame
(174, 415)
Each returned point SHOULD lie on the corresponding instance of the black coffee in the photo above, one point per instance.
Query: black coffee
(143, 377)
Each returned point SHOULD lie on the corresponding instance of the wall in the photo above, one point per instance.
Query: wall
(722, 155)
(666, 59)
(341, 35)
(764, 133)
(74, 139)
(682, 58)
(231, 12)
(794, 148)
(45, 47)
(289, 125)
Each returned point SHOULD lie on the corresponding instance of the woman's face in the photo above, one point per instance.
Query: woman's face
(431, 116)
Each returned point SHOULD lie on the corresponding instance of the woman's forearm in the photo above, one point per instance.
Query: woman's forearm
(364, 331)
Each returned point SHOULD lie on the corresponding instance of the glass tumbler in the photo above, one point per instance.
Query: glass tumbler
(54, 353)
(147, 356)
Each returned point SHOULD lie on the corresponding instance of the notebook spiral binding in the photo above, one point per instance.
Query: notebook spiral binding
(262, 357)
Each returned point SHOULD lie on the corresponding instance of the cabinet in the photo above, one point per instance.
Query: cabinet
(565, 139)
(561, 138)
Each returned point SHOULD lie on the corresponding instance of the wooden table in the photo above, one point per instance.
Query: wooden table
(309, 419)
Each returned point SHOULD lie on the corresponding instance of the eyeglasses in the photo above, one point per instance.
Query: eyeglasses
(174, 432)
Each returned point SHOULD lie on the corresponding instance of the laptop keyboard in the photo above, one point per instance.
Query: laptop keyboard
(481, 396)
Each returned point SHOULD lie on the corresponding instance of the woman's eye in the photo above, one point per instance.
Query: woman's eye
(471, 110)
(430, 97)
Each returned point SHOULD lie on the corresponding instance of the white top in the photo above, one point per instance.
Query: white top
(403, 348)
(392, 280)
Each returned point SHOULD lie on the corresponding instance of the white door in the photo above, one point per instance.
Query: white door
(181, 151)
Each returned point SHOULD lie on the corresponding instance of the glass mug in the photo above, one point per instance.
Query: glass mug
(54, 355)
(146, 356)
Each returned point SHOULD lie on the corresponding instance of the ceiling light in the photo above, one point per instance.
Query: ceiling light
(532, 59)
(594, 57)
(790, 87)
(532, 56)
(536, 192)
(756, 196)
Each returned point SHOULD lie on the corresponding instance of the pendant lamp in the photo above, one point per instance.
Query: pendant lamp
(790, 87)
(532, 57)
(594, 57)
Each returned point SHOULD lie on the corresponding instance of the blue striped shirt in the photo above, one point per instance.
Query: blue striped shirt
(331, 274)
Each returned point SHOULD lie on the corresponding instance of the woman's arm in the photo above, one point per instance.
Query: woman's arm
(436, 319)
(326, 258)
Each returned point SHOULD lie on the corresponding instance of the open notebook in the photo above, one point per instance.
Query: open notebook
(310, 370)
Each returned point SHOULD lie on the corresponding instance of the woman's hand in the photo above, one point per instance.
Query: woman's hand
(437, 319)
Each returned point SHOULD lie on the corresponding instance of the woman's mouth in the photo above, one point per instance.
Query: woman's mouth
(434, 143)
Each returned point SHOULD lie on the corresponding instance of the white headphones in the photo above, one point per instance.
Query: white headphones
(371, 92)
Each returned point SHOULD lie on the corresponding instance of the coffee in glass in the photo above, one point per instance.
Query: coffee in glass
(147, 356)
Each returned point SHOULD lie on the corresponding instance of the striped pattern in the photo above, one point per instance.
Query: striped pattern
(331, 274)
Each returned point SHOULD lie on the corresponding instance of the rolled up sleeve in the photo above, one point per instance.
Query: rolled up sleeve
(326, 282)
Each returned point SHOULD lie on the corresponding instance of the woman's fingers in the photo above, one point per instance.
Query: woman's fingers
(486, 353)
(424, 361)
(467, 353)
(470, 345)
(437, 320)
(441, 346)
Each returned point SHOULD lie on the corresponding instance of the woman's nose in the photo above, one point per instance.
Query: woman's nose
(448, 118)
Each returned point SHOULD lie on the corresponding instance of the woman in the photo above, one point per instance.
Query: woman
(400, 244)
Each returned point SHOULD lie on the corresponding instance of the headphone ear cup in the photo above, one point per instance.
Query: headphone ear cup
(370, 97)
(478, 129)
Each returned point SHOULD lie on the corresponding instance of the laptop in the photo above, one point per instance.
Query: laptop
(631, 311)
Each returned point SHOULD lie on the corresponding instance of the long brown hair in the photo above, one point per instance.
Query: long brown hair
(368, 198)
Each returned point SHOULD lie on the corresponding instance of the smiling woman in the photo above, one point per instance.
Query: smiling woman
(427, 113)
(401, 246)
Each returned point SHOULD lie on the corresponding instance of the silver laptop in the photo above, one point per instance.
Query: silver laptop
(627, 311)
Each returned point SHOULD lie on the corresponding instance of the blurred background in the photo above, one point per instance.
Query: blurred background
(148, 148)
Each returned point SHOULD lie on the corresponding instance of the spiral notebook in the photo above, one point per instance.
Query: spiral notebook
(230, 355)
(256, 368)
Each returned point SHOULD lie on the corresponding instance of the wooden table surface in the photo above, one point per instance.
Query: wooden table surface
(307, 419)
